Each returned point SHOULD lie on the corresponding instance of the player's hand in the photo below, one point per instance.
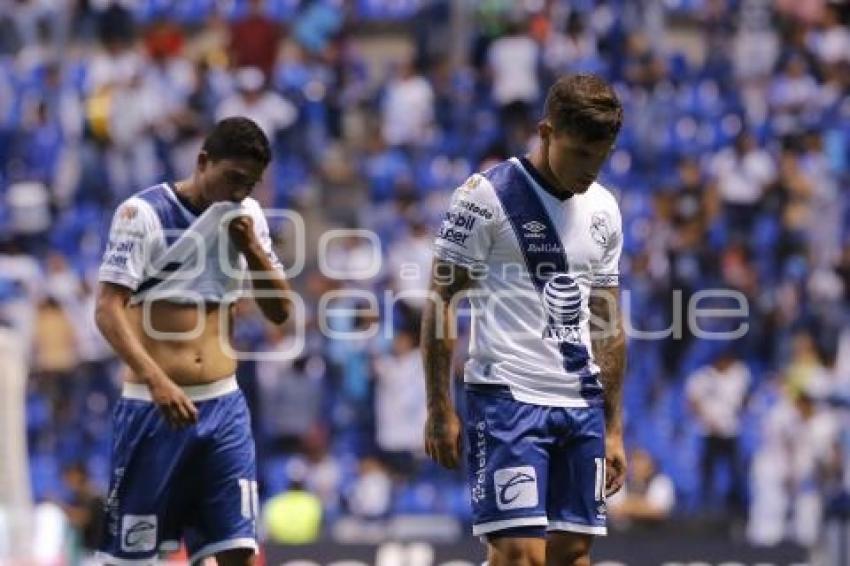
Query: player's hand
(442, 438)
(241, 230)
(615, 462)
(175, 406)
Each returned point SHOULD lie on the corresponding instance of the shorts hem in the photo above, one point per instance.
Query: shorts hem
(484, 528)
(597, 530)
(231, 544)
(103, 557)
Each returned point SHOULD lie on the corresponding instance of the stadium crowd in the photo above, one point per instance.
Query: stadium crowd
(732, 172)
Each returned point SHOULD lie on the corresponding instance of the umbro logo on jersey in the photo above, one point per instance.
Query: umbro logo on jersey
(516, 488)
(534, 229)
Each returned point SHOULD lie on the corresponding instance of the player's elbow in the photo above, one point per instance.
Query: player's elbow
(106, 309)
(103, 316)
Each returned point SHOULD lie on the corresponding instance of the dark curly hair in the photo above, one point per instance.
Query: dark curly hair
(238, 138)
(584, 105)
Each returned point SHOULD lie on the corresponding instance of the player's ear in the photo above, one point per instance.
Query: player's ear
(203, 160)
(544, 129)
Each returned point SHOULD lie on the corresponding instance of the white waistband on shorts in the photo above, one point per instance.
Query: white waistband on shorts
(140, 391)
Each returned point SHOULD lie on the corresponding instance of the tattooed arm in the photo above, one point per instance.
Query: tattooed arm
(608, 342)
(442, 428)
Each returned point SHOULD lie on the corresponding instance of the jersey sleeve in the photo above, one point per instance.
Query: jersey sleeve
(131, 236)
(466, 232)
(606, 229)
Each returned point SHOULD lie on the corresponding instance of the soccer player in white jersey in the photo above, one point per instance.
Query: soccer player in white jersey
(183, 460)
(535, 242)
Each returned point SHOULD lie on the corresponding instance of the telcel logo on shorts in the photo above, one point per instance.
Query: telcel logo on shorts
(516, 488)
(138, 533)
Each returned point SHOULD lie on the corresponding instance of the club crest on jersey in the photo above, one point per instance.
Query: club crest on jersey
(600, 228)
(562, 302)
(534, 229)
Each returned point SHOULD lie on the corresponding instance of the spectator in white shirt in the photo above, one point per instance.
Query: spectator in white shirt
(408, 109)
(798, 442)
(717, 394)
(400, 407)
(647, 498)
(741, 175)
(513, 61)
(269, 110)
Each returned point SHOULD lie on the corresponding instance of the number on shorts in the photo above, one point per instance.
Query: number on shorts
(250, 498)
(599, 487)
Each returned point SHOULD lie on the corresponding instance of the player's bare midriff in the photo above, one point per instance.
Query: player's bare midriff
(187, 360)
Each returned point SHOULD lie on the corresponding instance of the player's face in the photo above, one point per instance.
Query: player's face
(228, 179)
(573, 161)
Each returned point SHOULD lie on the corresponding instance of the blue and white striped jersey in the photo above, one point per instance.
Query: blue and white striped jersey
(159, 247)
(534, 258)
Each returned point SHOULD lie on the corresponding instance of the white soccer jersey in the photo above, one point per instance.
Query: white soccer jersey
(158, 245)
(535, 259)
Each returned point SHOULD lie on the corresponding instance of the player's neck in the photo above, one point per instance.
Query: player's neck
(542, 169)
(188, 191)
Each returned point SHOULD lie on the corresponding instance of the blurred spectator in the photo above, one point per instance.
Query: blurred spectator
(648, 496)
(29, 213)
(400, 402)
(409, 260)
(290, 392)
(254, 40)
(717, 394)
(371, 495)
(85, 507)
(570, 51)
(830, 41)
(56, 353)
(268, 109)
(408, 109)
(513, 60)
(798, 442)
(742, 173)
(295, 515)
(324, 476)
(792, 94)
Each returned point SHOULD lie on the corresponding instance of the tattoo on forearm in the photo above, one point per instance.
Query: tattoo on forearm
(437, 341)
(609, 349)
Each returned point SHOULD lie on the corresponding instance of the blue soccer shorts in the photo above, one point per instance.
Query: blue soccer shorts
(196, 484)
(534, 468)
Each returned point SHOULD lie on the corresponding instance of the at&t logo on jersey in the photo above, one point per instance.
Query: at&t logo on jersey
(516, 488)
(562, 302)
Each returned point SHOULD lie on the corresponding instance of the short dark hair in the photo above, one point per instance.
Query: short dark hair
(584, 105)
(238, 138)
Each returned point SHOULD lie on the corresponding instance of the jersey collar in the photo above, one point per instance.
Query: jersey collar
(184, 202)
(541, 181)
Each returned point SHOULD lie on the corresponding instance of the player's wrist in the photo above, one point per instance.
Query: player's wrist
(152, 378)
(253, 249)
(614, 429)
(439, 408)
